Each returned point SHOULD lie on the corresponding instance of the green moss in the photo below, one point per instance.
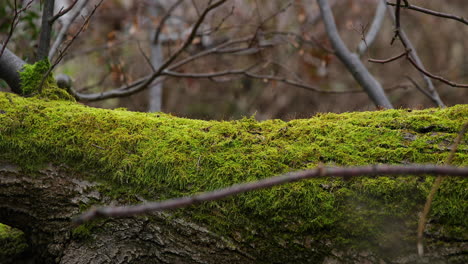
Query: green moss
(12, 242)
(161, 156)
(31, 78)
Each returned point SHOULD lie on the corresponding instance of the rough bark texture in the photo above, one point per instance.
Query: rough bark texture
(59, 158)
(43, 203)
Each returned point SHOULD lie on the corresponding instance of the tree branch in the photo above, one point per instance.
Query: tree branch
(14, 22)
(62, 12)
(320, 172)
(409, 46)
(431, 12)
(374, 29)
(372, 87)
(63, 31)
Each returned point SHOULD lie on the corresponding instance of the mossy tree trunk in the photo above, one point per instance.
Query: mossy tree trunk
(58, 158)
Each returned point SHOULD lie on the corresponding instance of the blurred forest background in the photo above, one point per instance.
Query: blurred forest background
(114, 49)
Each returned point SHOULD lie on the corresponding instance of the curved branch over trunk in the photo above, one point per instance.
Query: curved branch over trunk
(351, 60)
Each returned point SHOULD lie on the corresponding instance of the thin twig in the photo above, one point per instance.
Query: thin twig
(404, 39)
(14, 22)
(397, 22)
(433, 76)
(374, 29)
(62, 52)
(390, 59)
(62, 12)
(320, 172)
(63, 31)
(432, 12)
(422, 90)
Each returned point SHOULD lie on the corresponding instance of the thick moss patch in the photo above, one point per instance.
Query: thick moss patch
(34, 82)
(162, 156)
(12, 243)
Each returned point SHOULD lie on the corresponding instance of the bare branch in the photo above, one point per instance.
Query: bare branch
(397, 22)
(439, 78)
(320, 172)
(62, 52)
(351, 60)
(14, 22)
(390, 59)
(374, 29)
(409, 46)
(63, 31)
(144, 82)
(431, 12)
(422, 90)
(62, 12)
(168, 14)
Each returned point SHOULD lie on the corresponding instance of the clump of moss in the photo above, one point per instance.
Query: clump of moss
(12, 243)
(33, 75)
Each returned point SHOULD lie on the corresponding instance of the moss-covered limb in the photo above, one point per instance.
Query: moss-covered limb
(36, 80)
(161, 156)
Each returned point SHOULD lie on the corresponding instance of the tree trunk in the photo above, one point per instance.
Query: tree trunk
(60, 158)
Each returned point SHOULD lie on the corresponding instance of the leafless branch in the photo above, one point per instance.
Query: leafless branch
(62, 12)
(433, 76)
(351, 60)
(431, 12)
(374, 29)
(397, 22)
(320, 172)
(148, 61)
(136, 85)
(390, 59)
(166, 16)
(62, 52)
(16, 18)
(63, 31)
(409, 46)
(422, 90)
(144, 82)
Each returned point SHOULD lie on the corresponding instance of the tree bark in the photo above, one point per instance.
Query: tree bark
(42, 204)
(59, 158)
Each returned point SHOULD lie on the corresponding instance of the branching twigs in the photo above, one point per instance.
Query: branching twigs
(431, 12)
(63, 31)
(351, 61)
(62, 52)
(320, 172)
(16, 18)
(144, 82)
(62, 12)
(433, 76)
(374, 29)
(409, 46)
(397, 22)
(435, 187)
